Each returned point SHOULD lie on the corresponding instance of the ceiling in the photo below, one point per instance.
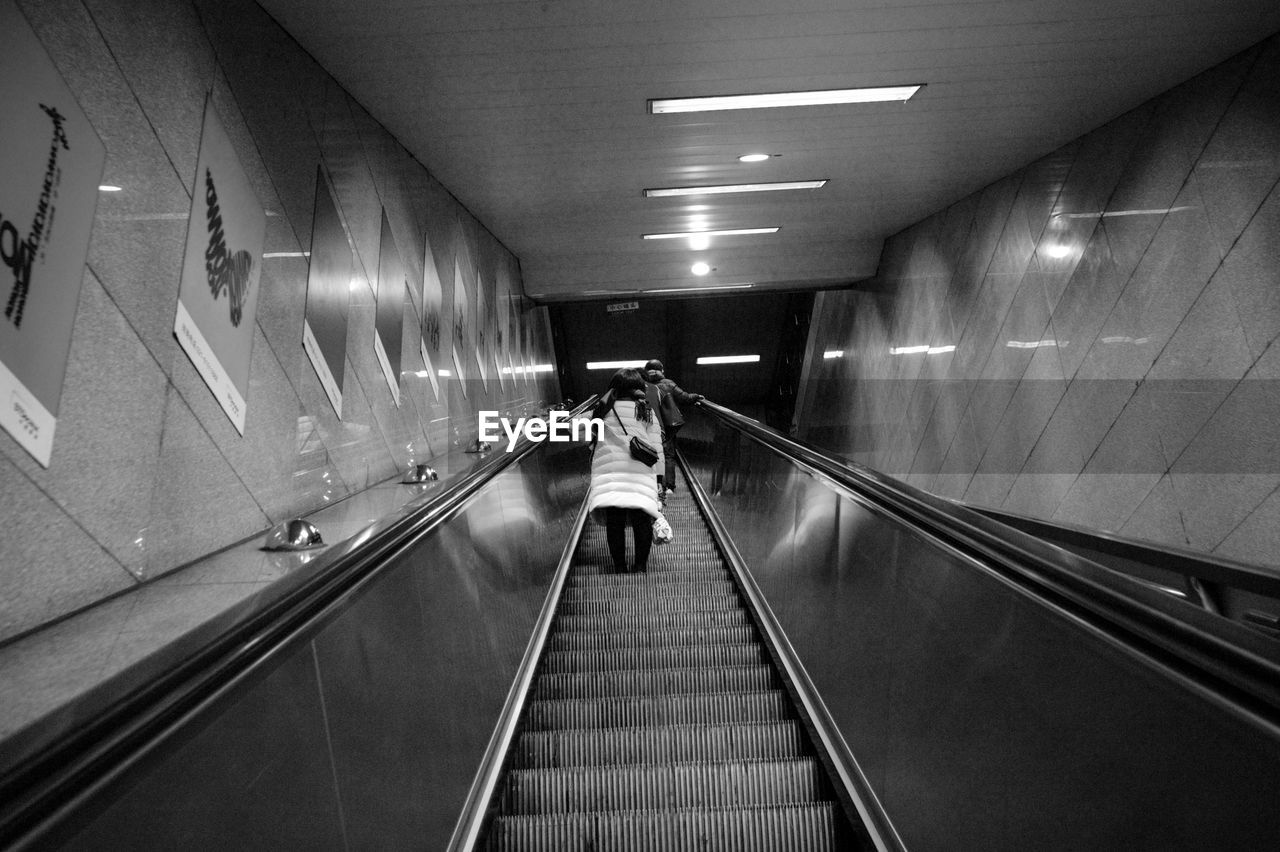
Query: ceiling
(534, 114)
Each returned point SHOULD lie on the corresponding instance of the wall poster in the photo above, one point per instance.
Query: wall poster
(49, 175)
(481, 333)
(459, 325)
(388, 330)
(432, 317)
(218, 293)
(324, 323)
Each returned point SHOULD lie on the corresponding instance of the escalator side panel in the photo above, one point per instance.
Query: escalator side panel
(982, 718)
(367, 734)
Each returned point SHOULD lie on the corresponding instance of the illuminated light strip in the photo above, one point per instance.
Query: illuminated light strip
(728, 359)
(535, 368)
(865, 95)
(287, 254)
(833, 353)
(1030, 344)
(731, 232)
(616, 365)
(920, 350)
(1103, 215)
(721, 189)
(702, 289)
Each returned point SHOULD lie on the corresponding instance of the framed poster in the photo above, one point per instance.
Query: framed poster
(460, 328)
(221, 268)
(324, 323)
(432, 316)
(49, 175)
(482, 329)
(388, 326)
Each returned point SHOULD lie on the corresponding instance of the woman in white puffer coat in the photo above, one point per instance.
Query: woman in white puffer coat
(624, 490)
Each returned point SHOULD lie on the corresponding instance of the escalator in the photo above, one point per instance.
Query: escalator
(658, 721)
(823, 659)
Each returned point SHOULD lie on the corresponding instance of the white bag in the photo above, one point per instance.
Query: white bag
(662, 530)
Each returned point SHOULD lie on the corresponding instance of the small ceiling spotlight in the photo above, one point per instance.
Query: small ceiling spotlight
(700, 268)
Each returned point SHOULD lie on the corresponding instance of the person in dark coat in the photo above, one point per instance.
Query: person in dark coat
(671, 397)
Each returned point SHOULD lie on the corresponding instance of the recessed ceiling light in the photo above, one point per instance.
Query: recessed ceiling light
(700, 268)
(701, 289)
(753, 158)
(736, 187)
(106, 187)
(727, 232)
(729, 359)
(783, 99)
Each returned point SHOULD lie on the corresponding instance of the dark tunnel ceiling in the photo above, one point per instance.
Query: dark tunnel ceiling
(534, 114)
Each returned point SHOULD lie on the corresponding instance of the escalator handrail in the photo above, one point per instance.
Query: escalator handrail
(41, 788)
(1178, 560)
(1236, 667)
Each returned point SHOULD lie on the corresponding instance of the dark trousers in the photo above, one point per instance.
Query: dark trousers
(615, 531)
(669, 455)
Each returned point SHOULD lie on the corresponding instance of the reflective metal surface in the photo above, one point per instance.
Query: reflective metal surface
(420, 473)
(983, 718)
(369, 734)
(296, 534)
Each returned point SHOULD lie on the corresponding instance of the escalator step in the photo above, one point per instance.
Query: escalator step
(616, 684)
(618, 591)
(657, 604)
(582, 640)
(769, 706)
(654, 620)
(687, 785)
(592, 581)
(681, 657)
(676, 744)
(795, 828)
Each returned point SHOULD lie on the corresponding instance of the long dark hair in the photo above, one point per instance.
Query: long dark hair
(627, 383)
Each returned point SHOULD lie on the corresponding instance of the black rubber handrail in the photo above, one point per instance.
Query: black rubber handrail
(1229, 664)
(1188, 563)
(49, 784)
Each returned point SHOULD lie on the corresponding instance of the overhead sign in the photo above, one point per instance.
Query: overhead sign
(221, 269)
(49, 174)
(618, 307)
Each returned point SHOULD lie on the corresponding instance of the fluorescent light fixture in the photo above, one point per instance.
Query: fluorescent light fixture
(725, 232)
(422, 374)
(1136, 341)
(753, 158)
(106, 187)
(701, 289)
(833, 353)
(724, 189)
(541, 368)
(1058, 250)
(783, 99)
(700, 268)
(444, 373)
(616, 365)
(1159, 211)
(1030, 344)
(286, 254)
(728, 359)
(920, 350)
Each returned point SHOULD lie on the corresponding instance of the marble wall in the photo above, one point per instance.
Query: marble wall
(147, 473)
(1092, 339)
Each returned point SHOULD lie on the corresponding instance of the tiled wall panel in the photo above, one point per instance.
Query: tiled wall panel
(1091, 339)
(147, 473)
